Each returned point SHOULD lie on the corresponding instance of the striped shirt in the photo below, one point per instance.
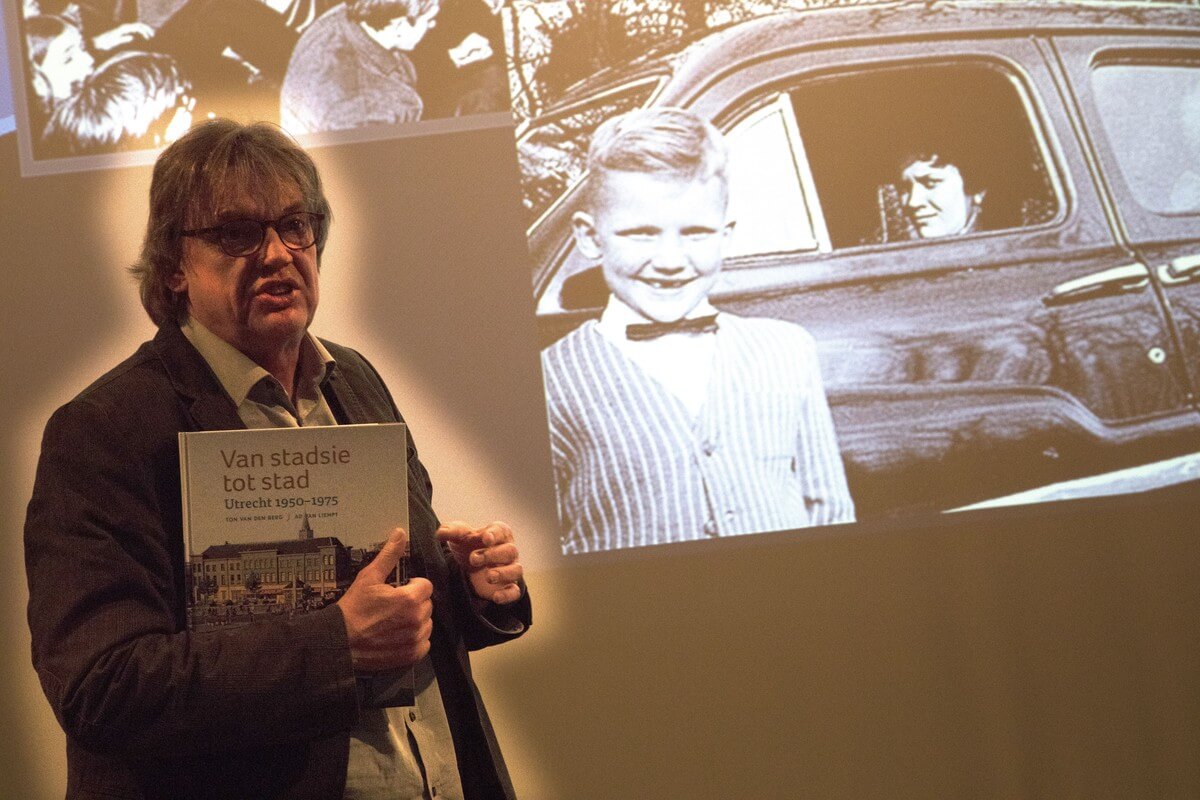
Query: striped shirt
(632, 467)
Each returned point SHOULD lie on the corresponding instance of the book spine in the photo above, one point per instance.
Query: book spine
(184, 481)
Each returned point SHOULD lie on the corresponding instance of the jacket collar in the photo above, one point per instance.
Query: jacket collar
(194, 382)
(210, 405)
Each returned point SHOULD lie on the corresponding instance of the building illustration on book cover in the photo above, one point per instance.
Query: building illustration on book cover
(232, 584)
(280, 521)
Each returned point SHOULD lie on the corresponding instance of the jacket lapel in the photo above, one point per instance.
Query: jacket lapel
(211, 408)
(347, 406)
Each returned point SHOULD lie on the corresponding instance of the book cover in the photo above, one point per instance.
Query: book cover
(281, 520)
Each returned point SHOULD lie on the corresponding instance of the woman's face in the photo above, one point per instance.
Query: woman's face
(935, 198)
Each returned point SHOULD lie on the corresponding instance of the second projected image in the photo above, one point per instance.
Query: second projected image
(112, 77)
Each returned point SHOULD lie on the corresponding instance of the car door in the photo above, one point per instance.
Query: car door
(1029, 353)
(1140, 101)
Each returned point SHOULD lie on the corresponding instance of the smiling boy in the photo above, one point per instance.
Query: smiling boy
(670, 420)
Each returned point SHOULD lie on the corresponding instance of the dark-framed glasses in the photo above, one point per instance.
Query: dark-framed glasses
(241, 237)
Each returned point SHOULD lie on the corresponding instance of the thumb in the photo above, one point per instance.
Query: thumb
(381, 569)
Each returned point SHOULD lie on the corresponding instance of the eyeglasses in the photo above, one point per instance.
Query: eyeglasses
(241, 237)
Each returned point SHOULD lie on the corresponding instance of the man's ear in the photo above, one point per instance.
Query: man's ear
(177, 283)
(586, 239)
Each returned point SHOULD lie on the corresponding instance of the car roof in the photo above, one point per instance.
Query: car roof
(701, 59)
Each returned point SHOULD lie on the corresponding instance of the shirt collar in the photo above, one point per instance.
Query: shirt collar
(238, 373)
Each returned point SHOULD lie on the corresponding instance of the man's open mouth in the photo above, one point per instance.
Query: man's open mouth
(277, 288)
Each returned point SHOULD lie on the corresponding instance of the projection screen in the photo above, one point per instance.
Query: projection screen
(1043, 349)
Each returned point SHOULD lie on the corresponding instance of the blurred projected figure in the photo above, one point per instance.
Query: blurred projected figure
(231, 53)
(671, 421)
(134, 100)
(351, 67)
(106, 25)
(460, 62)
(59, 62)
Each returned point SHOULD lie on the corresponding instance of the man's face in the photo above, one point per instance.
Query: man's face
(261, 303)
(660, 239)
(65, 65)
(935, 199)
(405, 33)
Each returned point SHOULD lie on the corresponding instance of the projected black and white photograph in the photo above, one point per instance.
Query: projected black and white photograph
(114, 76)
(938, 256)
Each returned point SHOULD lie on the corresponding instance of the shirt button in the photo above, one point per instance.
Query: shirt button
(412, 715)
(710, 528)
(709, 448)
(730, 514)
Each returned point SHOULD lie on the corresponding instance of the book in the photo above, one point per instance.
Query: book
(279, 521)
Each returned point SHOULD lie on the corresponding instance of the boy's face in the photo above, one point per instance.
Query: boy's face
(660, 239)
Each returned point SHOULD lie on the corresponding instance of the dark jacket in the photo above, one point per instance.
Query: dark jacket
(262, 711)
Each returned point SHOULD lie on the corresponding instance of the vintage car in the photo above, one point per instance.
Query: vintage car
(1054, 345)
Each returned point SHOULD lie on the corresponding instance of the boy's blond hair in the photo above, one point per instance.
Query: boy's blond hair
(666, 141)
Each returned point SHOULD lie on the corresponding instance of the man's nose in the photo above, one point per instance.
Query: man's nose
(275, 252)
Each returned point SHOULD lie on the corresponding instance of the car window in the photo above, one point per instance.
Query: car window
(923, 151)
(767, 200)
(1151, 114)
(553, 152)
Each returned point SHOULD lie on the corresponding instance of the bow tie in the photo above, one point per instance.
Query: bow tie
(640, 332)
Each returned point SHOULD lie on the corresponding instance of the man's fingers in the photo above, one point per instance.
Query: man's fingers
(500, 532)
(497, 555)
(381, 569)
(390, 657)
(454, 532)
(507, 594)
(510, 573)
(418, 590)
(462, 537)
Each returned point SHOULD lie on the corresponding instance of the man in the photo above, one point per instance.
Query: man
(937, 198)
(669, 420)
(229, 272)
(351, 67)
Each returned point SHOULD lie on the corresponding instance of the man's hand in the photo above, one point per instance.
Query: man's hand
(388, 626)
(488, 557)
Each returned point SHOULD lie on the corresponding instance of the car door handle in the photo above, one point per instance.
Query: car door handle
(1127, 278)
(1180, 270)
